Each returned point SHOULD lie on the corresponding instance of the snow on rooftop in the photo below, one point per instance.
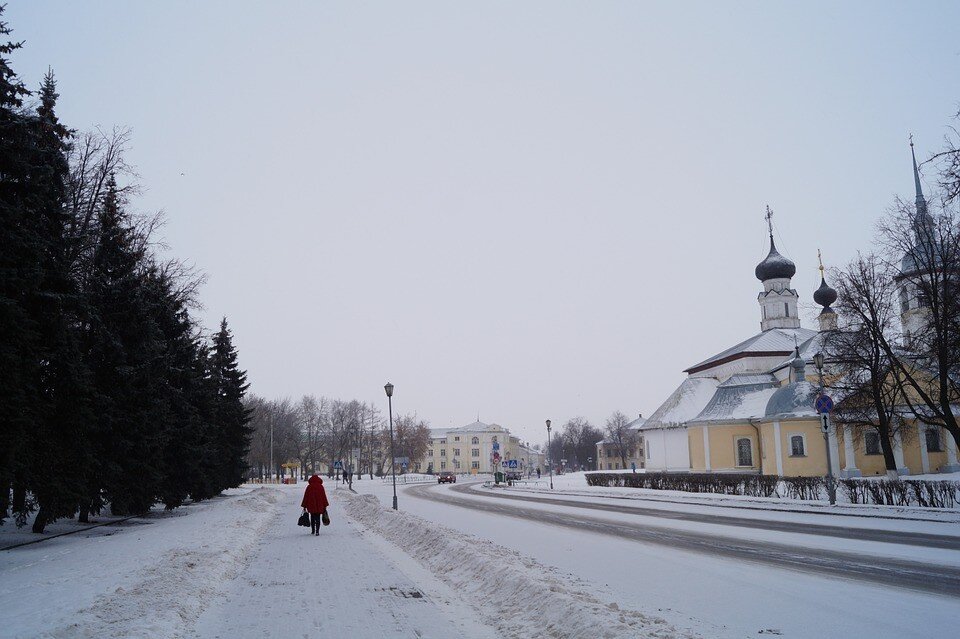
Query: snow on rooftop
(737, 402)
(775, 340)
(684, 404)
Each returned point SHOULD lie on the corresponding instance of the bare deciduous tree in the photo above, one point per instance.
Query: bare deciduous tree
(624, 438)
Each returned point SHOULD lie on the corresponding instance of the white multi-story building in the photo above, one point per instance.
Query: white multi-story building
(477, 448)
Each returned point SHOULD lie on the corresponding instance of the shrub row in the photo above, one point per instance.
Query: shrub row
(902, 492)
(723, 484)
(884, 492)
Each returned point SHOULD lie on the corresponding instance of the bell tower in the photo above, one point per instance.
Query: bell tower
(778, 302)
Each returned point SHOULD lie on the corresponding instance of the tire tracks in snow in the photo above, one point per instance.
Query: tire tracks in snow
(879, 570)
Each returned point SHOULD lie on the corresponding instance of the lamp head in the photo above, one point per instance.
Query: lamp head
(548, 425)
(389, 389)
(818, 361)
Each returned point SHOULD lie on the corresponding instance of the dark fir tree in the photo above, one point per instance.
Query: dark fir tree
(55, 444)
(231, 432)
(19, 278)
(123, 350)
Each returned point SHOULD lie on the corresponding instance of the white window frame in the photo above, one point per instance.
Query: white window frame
(790, 437)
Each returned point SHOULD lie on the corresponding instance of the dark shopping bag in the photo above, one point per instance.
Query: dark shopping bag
(304, 519)
(325, 518)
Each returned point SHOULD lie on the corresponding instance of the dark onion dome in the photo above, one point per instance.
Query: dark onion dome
(775, 266)
(825, 295)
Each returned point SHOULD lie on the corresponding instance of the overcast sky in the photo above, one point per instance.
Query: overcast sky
(525, 210)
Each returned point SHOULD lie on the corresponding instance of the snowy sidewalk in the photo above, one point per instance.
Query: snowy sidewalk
(234, 566)
(337, 584)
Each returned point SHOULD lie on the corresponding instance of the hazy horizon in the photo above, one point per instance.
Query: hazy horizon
(517, 211)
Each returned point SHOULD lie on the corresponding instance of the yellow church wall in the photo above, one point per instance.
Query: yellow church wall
(814, 462)
(768, 452)
(723, 446)
(695, 446)
(911, 450)
(936, 461)
(869, 464)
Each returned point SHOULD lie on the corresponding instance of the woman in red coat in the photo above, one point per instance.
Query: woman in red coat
(315, 502)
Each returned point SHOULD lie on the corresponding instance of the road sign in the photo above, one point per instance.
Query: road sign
(825, 423)
(824, 403)
(511, 463)
(496, 445)
(338, 465)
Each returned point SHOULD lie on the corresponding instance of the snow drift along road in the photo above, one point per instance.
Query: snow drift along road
(520, 596)
(171, 591)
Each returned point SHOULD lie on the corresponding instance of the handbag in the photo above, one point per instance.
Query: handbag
(325, 518)
(304, 519)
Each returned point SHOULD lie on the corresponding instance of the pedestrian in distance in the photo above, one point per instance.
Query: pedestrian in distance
(538, 472)
(315, 502)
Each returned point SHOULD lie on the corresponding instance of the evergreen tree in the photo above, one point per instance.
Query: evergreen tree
(230, 416)
(18, 278)
(55, 444)
(123, 348)
(182, 384)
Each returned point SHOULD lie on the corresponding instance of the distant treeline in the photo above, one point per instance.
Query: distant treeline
(109, 391)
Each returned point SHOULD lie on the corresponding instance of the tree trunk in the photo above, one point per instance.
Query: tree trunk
(19, 504)
(84, 516)
(41, 521)
(886, 445)
(4, 499)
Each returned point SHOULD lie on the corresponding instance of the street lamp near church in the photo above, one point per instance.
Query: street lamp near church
(824, 405)
(549, 460)
(393, 471)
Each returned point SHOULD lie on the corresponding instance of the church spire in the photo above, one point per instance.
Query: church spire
(921, 202)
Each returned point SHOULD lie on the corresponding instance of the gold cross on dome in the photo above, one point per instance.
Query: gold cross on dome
(769, 217)
(820, 259)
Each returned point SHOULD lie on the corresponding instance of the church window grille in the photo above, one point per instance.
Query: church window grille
(475, 440)
(798, 447)
(932, 436)
(744, 452)
(786, 309)
(871, 442)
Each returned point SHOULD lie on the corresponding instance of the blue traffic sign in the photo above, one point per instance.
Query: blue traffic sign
(824, 404)
(511, 463)
(338, 465)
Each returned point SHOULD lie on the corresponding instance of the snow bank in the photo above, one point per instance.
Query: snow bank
(171, 591)
(520, 596)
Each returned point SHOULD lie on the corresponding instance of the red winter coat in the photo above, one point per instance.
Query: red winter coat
(315, 498)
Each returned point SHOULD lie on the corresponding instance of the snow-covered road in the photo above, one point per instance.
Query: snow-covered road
(714, 594)
(711, 535)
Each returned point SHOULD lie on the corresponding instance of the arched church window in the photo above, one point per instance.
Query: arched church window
(744, 452)
(797, 446)
(475, 440)
(871, 443)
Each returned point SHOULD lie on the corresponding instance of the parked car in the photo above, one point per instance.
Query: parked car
(513, 475)
(446, 477)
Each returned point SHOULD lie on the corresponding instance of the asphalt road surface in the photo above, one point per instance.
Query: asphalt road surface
(586, 515)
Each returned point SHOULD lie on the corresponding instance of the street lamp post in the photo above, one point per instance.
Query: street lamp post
(818, 361)
(393, 471)
(549, 460)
